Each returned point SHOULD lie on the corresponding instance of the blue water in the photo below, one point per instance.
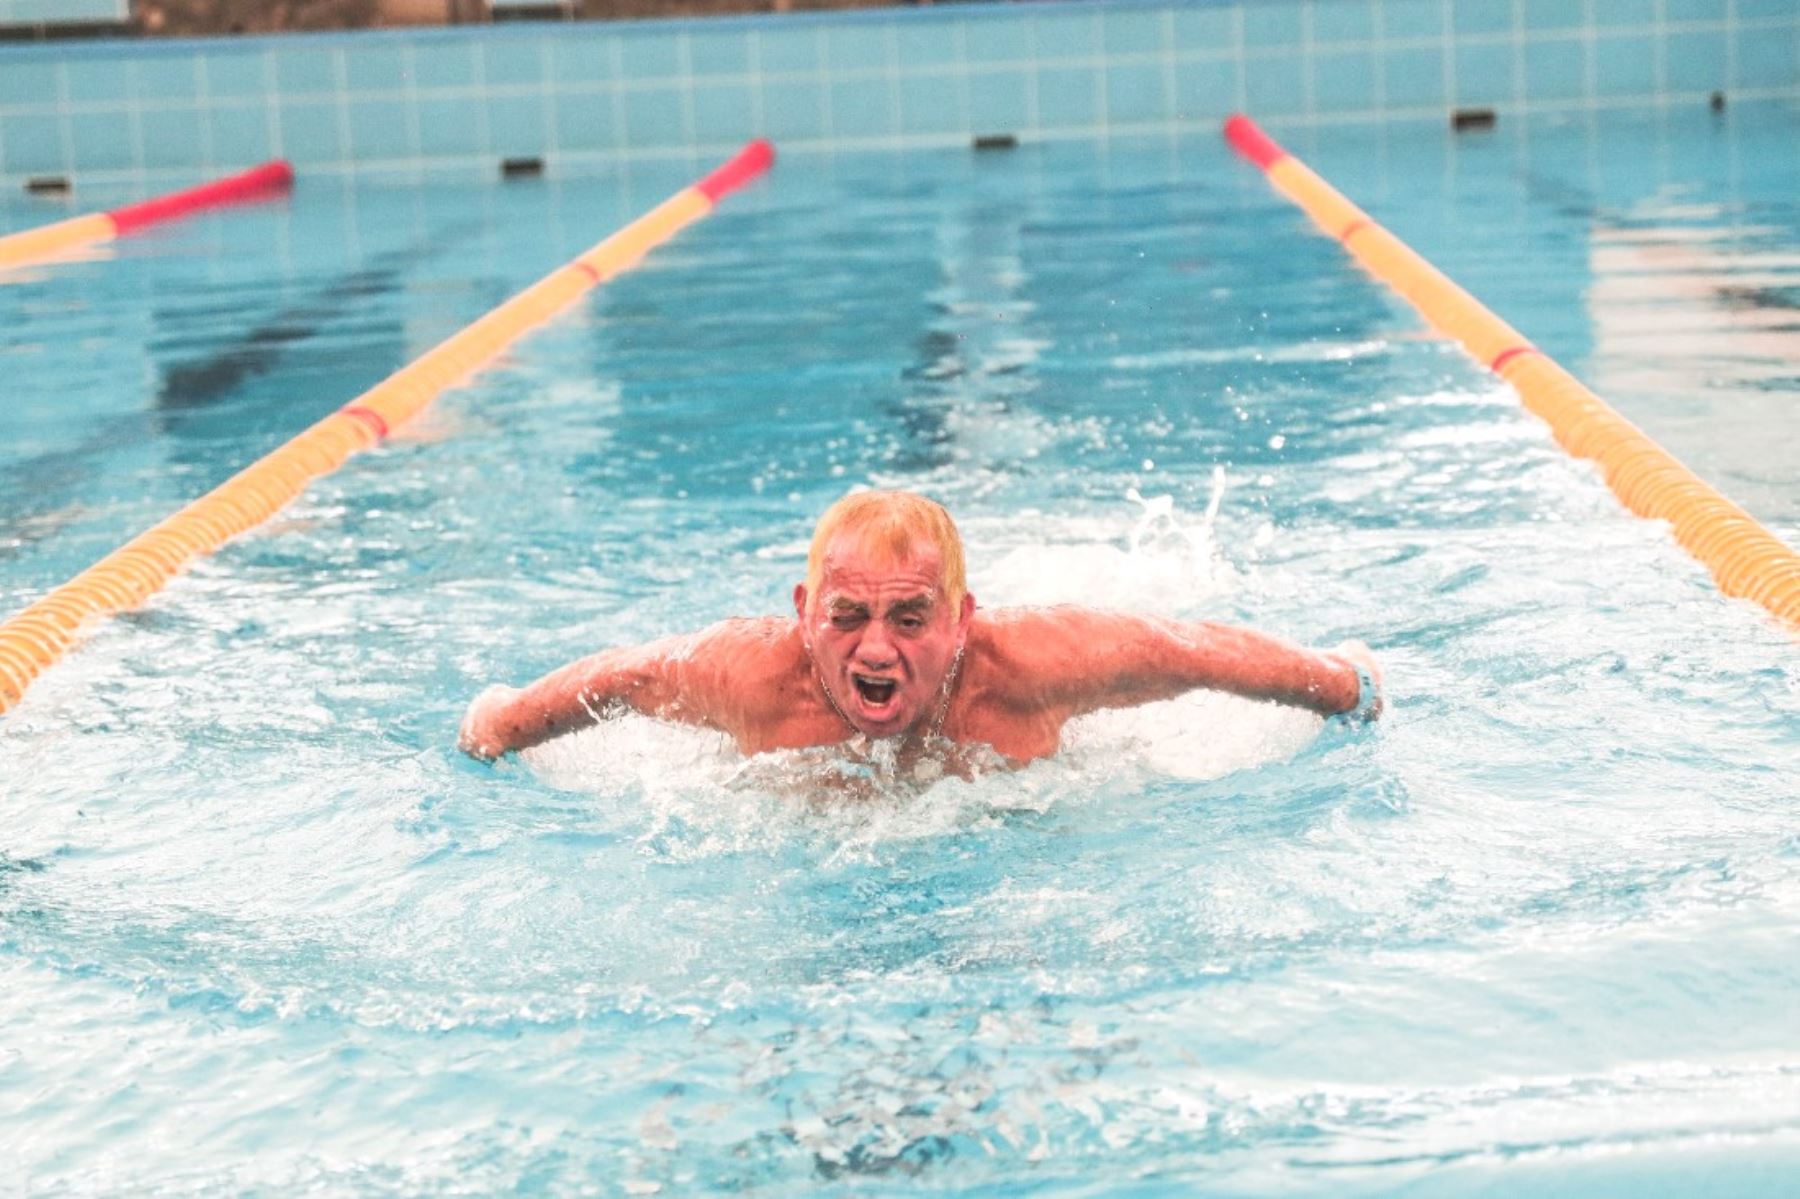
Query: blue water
(263, 930)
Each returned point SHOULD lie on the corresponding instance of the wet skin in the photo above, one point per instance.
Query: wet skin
(882, 652)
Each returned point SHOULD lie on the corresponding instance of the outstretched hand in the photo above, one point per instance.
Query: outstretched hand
(480, 735)
(1358, 654)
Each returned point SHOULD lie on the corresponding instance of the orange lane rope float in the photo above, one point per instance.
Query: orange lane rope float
(259, 182)
(1745, 558)
(38, 636)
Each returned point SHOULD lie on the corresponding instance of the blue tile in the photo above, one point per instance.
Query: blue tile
(1414, 78)
(1543, 15)
(1272, 26)
(719, 52)
(377, 68)
(583, 59)
(999, 101)
(1000, 39)
(1343, 21)
(1694, 10)
(1135, 93)
(1206, 89)
(309, 131)
(1066, 34)
(102, 141)
(1555, 69)
(787, 50)
(1068, 97)
(380, 129)
(240, 134)
(650, 56)
(584, 121)
(1625, 14)
(1484, 73)
(512, 61)
(654, 117)
(1344, 81)
(1694, 62)
(862, 108)
(96, 80)
(237, 74)
(166, 79)
(451, 127)
(723, 112)
(30, 82)
(1204, 29)
(1758, 10)
(1767, 58)
(1133, 31)
(171, 137)
(305, 71)
(1625, 66)
(1404, 19)
(791, 109)
(850, 48)
(30, 143)
(1275, 84)
(930, 104)
(1481, 16)
(438, 64)
(926, 44)
(518, 125)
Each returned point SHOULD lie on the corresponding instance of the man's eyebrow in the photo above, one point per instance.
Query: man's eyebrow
(917, 603)
(838, 603)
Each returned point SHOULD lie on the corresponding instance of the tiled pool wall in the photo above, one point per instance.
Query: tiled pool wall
(64, 12)
(581, 95)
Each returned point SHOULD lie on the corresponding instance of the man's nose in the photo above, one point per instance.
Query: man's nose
(876, 648)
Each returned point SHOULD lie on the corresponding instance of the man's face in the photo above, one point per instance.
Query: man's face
(882, 635)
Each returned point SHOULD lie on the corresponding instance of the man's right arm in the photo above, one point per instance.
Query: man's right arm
(642, 678)
(677, 678)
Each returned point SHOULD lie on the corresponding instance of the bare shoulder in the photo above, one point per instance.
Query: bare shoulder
(1012, 651)
(753, 648)
(1016, 635)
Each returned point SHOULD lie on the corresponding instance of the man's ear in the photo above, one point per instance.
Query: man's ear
(800, 601)
(968, 610)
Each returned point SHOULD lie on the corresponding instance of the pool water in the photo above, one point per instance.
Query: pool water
(262, 929)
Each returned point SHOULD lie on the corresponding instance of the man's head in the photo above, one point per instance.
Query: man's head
(884, 608)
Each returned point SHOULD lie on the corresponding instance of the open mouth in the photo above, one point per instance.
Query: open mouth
(876, 693)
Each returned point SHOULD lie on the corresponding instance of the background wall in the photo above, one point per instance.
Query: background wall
(582, 95)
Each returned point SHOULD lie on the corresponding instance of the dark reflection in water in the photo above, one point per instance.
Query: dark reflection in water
(244, 380)
(968, 348)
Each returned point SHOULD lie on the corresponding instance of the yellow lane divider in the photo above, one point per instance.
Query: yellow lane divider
(37, 637)
(274, 178)
(1745, 559)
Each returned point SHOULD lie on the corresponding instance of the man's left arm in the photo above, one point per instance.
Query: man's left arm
(1089, 660)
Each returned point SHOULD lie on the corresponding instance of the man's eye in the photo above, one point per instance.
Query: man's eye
(911, 623)
(845, 620)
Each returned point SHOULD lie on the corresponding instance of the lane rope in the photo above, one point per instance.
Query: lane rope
(272, 178)
(36, 638)
(1745, 559)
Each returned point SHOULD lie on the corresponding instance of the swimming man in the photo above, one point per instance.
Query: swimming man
(887, 643)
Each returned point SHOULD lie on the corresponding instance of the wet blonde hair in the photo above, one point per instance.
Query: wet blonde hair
(892, 525)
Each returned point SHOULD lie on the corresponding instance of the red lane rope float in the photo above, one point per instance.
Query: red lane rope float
(1745, 559)
(259, 182)
(36, 638)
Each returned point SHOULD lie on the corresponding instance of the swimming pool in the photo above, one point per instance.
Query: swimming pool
(261, 928)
